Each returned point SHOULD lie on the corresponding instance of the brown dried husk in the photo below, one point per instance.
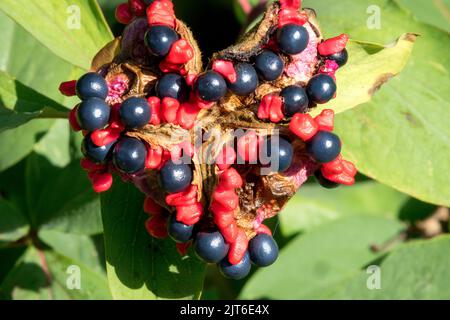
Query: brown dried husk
(232, 112)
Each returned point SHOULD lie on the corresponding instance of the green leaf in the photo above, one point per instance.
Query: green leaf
(74, 30)
(401, 138)
(13, 225)
(138, 266)
(435, 12)
(322, 257)
(314, 205)
(416, 271)
(32, 64)
(55, 145)
(366, 71)
(19, 142)
(44, 275)
(19, 104)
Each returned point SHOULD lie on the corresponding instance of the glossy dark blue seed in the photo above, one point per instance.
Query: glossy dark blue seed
(263, 250)
(129, 155)
(324, 146)
(295, 100)
(269, 65)
(279, 152)
(159, 39)
(92, 85)
(341, 57)
(292, 39)
(210, 86)
(172, 85)
(135, 112)
(324, 182)
(179, 231)
(321, 88)
(175, 177)
(237, 271)
(210, 246)
(247, 80)
(93, 114)
(95, 153)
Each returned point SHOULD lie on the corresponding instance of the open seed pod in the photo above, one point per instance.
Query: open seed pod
(216, 150)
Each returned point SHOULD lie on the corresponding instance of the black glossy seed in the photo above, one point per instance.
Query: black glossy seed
(295, 100)
(179, 231)
(210, 246)
(321, 88)
(236, 271)
(247, 80)
(93, 114)
(269, 65)
(159, 40)
(175, 177)
(129, 155)
(210, 86)
(135, 112)
(341, 57)
(92, 85)
(324, 146)
(292, 39)
(263, 250)
(95, 153)
(173, 86)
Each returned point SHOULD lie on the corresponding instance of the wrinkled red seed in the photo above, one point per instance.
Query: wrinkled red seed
(157, 226)
(137, 7)
(230, 232)
(264, 229)
(73, 120)
(238, 248)
(115, 121)
(151, 207)
(230, 179)
(226, 158)
(227, 198)
(105, 136)
(189, 214)
(181, 52)
(247, 147)
(187, 114)
(101, 181)
(325, 120)
(291, 16)
(271, 107)
(333, 45)
(169, 108)
(187, 197)
(154, 157)
(296, 4)
(304, 126)
(226, 69)
(68, 88)
(123, 13)
(90, 165)
(161, 12)
(155, 107)
(183, 248)
(222, 217)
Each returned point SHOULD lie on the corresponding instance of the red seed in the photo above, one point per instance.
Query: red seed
(230, 233)
(187, 197)
(137, 7)
(296, 4)
(181, 52)
(90, 165)
(325, 120)
(168, 67)
(123, 13)
(333, 45)
(182, 248)
(187, 114)
(104, 136)
(161, 12)
(151, 207)
(73, 120)
(226, 69)
(155, 107)
(264, 229)
(230, 179)
(101, 181)
(291, 16)
(154, 157)
(238, 248)
(226, 158)
(157, 226)
(68, 88)
(271, 108)
(227, 198)
(247, 147)
(304, 126)
(189, 214)
(169, 109)
(222, 217)
(333, 167)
